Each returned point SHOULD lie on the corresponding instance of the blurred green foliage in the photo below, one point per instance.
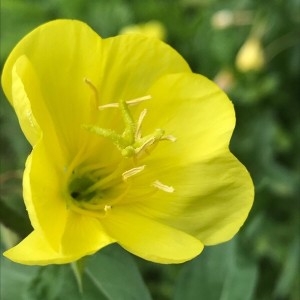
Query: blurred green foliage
(208, 34)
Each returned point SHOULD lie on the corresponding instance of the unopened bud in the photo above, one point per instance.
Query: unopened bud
(251, 56)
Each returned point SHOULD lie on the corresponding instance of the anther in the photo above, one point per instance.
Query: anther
(138, 100)
(132, 172)
(129, 102)
(109, 105)
(170, 138)
(138, 134)
(165, 188)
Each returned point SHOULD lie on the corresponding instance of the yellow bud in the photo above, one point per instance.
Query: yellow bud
(251, 56)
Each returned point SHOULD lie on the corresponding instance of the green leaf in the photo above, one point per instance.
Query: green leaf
(13, 219)
(113, 272)
(14, 279)
(110, 274)
(218, 274)
(290, 272)
(53, 282)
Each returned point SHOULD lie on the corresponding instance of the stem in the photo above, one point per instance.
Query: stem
(78, 269)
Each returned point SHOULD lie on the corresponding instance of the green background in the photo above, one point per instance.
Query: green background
(262, 261)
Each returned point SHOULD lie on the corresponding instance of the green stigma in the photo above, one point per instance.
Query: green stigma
(130, 142)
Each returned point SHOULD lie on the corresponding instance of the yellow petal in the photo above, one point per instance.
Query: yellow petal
(133, 63)
(22, 103)
(34, 250)
(213, 192)
(195, 111)
(45, 195)
(30, 107)
(63, 54)
(83, 235)
(71, 62)
(211, 198)
(67, 232)
(149, 239)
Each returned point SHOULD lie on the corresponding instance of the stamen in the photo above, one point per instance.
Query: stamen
(163, 187)
(170, 138)
(129, 102)
(131, 143)
(138, 134)
(146, 145)
(94, 89)
(132, 172)
(138, 100)
(109, 105)
(149, 142)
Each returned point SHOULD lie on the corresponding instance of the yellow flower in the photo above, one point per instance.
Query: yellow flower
(152, 29)
(129, 146)
(251, 56)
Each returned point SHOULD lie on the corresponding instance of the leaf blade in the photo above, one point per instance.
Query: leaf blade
(218, 274)
(114, 273)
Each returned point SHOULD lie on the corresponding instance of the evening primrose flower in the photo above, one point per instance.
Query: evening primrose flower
(129, 147)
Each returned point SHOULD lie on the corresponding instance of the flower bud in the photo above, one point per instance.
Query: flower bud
(250, 56)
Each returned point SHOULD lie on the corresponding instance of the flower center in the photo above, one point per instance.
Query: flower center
(93, 189)
(130, 142)
(79, 189)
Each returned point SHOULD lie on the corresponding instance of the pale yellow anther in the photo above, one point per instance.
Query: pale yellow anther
(129, 173)
(146, 145)
(170, 138)
(129, 102)
(165, 188)
(138, 133)
(138, 100)
(109, 105)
